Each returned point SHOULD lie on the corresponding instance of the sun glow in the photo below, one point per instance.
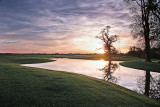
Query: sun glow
(101, 51)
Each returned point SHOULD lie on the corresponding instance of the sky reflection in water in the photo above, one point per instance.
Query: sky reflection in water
(123, 76)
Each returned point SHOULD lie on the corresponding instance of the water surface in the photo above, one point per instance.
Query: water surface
(110, 71)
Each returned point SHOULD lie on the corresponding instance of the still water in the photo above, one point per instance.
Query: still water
(110, 71)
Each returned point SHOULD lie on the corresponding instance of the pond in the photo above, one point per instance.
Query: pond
(136, 80)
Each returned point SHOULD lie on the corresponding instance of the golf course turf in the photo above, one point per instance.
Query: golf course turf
(142, 65)
(26, 86)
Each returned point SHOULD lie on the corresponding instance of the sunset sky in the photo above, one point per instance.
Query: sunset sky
(61, 26)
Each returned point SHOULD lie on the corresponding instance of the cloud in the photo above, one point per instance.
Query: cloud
(7, 42)
(56, 23)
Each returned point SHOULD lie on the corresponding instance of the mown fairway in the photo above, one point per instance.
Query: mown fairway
(24, 86)
(140, 64)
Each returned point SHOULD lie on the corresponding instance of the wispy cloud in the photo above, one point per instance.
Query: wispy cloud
(55, 25)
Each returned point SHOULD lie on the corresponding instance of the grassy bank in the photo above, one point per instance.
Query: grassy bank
(24, 86)
(137, 63)
(132, 62)
(88, 57)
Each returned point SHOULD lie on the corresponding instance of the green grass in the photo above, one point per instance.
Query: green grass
(142, 65)
(88, 57)
(25, 87)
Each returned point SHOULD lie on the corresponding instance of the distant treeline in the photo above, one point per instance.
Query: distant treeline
(138, 52)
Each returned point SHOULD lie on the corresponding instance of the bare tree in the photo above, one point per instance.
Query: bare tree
(108, 41)
(155, 8)
(149, 86)
(109, 70)
(146, 23)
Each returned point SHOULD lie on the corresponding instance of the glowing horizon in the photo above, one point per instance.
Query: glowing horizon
(45, 26)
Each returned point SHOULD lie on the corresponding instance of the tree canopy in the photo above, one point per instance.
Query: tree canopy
(108, 41)
(145, 23)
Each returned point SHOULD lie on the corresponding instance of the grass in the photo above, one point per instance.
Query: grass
(88, 57)
(25, 87)
(137, 63)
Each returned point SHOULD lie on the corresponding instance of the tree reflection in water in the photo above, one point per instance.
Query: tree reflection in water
(108, 70)
(149, 86)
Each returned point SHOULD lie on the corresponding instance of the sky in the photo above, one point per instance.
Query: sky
(62, 26)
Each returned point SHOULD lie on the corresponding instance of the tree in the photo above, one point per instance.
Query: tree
(109, 70)
(108, 41)
(155, 8)
(136, 52)
(146, 23)
(149, 85)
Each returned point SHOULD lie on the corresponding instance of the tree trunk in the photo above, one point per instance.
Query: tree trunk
(147, 39)
(147, 83)
(109, 53)
(147, 48)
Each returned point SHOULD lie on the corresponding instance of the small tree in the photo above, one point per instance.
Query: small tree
(109, 70)
(108, 41)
